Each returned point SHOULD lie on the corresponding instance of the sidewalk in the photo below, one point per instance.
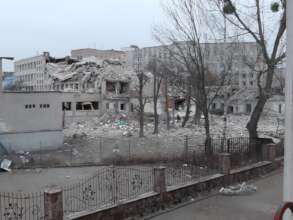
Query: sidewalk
(259, 206)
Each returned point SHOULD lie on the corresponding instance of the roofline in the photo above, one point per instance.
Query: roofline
(30, 92)
(242, 42)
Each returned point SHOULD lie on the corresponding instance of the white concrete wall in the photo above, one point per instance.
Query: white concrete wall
(32, 141)
(25, 128)
(20, 119)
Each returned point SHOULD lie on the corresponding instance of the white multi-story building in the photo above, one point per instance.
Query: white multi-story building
(216, 55)
(31, 73)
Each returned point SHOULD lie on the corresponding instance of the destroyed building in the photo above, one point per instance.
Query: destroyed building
(80, 54)
(108, 80)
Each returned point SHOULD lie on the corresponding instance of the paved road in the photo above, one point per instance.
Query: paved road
(259, 206)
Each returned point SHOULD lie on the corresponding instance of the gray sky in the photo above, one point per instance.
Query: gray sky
(29, 27)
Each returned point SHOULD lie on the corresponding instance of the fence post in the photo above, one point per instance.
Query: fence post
(159, 180)
(101, 150)
(53, 204)
(269, 152)
(186, 149)
(225, 163)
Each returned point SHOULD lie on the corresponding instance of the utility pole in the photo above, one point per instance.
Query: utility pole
(1, 69)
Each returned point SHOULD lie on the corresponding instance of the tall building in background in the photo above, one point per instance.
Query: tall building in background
(99, 54)
(31, 73)
(215, 53)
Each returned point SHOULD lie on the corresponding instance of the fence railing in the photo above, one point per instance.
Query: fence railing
(109, 186)
(22, 206)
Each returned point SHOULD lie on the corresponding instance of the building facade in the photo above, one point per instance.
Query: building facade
(99, 54)
(234, 55)
(31, 73)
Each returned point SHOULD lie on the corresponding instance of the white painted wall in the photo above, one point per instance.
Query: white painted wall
(26, 128)
(32, 141)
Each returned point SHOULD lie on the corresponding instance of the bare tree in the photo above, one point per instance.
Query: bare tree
(154, 67)
(185, 37)
(268, 31)
(142, 81)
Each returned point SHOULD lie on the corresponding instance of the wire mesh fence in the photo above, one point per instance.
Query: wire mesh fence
(132, 150)
(22, 206)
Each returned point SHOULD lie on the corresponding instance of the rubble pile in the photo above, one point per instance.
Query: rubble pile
(108, 125)
(90, 71)
(115, 126)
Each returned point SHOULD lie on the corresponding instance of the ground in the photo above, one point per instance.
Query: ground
(260, 205)
(35, 180)
(108, 138)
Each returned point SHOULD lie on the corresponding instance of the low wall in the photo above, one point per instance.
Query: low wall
(32, 140)
(154, 202)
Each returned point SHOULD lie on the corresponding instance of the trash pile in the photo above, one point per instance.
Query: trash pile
(239, 189)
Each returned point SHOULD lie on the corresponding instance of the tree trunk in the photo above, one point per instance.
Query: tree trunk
(167, 105)
(141, 106)
(187, 112)
(255, 116)
(155, 99)
(257, 111)
(197, 114)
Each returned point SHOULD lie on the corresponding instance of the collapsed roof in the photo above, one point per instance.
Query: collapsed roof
(89, 70)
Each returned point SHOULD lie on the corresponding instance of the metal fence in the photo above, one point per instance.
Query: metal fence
(108, 187)
(243, 150)
(183, 175)
(22, 206)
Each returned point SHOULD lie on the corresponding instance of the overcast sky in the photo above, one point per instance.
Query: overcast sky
(29, 27)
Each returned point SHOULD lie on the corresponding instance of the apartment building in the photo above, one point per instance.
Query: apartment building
(216, 56)
(31, 73)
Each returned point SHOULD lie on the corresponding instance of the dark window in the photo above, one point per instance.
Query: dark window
(87, 107)
(280, 108)
(251, 83)
(122, 106)
(107, 106)
(79, 106)
(110, 86)
(131, 107)
(95, 105)
(48, 105)
(29, 106)
(26, 106)
(123, 87)
(33, 105)
(66, 106)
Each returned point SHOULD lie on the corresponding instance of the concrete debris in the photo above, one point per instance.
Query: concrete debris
(90, 71)
(5, 165)
(239, 189)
